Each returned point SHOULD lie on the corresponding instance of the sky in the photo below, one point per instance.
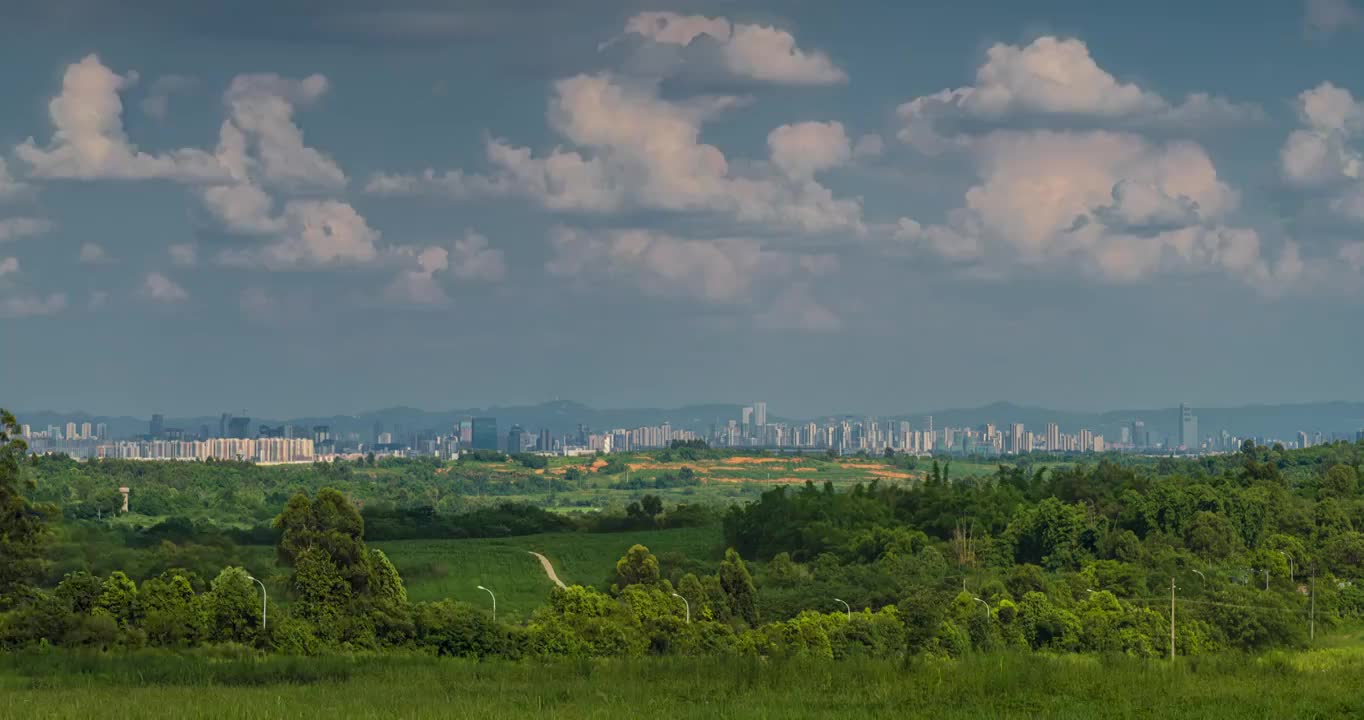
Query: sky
(298, 207)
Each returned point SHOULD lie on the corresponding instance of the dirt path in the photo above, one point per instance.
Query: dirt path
(549, 569)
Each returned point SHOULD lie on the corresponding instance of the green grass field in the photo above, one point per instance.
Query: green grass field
(436, 569)
(1318, 684)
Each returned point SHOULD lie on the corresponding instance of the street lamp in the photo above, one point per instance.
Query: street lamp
(684, 602)
(494, 597)
(846, 605)
(987, 607)
(262, 600)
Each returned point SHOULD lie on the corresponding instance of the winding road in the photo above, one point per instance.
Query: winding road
(549, 569)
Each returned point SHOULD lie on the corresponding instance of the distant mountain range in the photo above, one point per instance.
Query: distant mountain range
(1265, 421)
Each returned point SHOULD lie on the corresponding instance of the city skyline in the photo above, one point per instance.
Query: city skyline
(691, 203)
(747, 427)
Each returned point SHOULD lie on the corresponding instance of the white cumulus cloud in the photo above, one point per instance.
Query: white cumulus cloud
(1055, 76)
(159, 288)
(755, 52)
(89, 143)
(636, 150)
(1111, 205)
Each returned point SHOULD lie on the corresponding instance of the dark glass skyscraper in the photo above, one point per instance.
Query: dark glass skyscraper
(516, 441)
(484, 433)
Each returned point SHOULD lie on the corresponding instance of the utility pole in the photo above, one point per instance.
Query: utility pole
(1312, 624)
(1172, 619)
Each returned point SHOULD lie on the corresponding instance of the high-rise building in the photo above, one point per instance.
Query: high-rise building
(760, 415)
(746, 419)
(546, 442)
(26, 431)
(466, 432)
(238, 427)
(1302, 440)
(1086, 440)
(1053, 437)
(1188, 427)
(157, 426)
(1016, 433)
(102, 431)
(87, 431)
(1139, 437)
(222, 424)
(516, 439)
(483, 433)
(71, 433)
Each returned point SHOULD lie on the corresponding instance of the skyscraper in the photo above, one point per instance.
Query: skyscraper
(516, 439)
(238, 427)
(157, 426)
(1188, 427)
(86, 431)
(760, 414)
(1053, 437)
(71, 433)
(483, 433)
(1139, 438)
(1016, 438)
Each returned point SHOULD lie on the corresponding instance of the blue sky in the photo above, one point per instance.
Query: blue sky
(301, 207)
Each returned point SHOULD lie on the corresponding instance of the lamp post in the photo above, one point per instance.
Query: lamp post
(263, 600)
(846, 605)
(688, 604)
(987, 607)
(494, 597)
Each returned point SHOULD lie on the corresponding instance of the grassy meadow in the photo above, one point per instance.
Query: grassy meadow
(437, 569)
(1316, 684)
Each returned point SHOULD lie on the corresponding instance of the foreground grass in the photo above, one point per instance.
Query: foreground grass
(1315, 685)
(438, 569)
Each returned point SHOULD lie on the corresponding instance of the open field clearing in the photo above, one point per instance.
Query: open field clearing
(61, 685)
(438, 569)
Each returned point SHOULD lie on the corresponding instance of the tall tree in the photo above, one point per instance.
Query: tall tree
(740, 593)
(23, 526)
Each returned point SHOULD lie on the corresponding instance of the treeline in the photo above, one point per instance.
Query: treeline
(389, 522)
(1261, 545)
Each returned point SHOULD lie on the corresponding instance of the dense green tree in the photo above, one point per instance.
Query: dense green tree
(118, 597)
(23, 526)
(741, 596)
(232, 607)
(1341, 481)
(637, 566)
